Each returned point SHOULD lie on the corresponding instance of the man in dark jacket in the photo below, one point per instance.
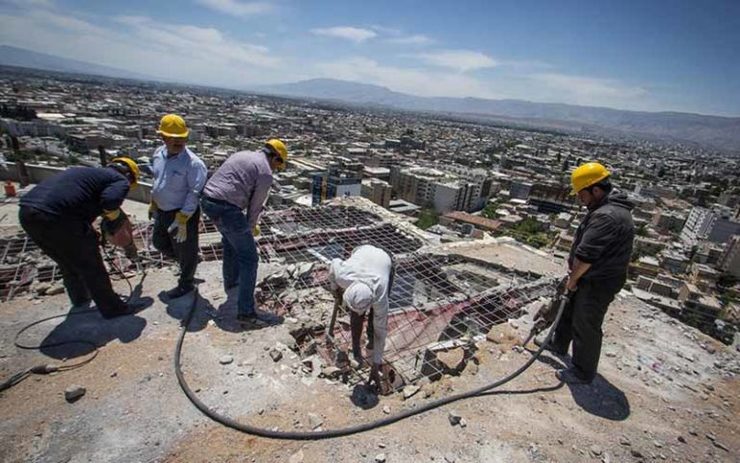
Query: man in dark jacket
(598, 264)
(58, 213)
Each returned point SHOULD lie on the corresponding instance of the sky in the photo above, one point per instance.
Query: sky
(647, 55)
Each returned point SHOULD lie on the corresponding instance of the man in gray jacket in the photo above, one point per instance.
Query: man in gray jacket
(233, 198)
(598, 263)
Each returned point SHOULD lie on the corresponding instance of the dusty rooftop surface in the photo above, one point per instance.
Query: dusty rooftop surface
(666, 391)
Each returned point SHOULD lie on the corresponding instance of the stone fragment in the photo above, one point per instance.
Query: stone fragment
(454, 417)
(73, 393)
(596, 450)
(314, 420)
(276, 355)
(386, 409)
(330, 372)
(453, 360)
(226, 359)
(380, 458)
(42, 288)
(719, 445)
(54, 290)
(410, 390)
(503, 333)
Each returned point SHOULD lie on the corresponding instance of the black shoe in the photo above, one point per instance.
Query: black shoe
(251, 319)
(551, 347)
(124, 310)
(178, 291)
(572, 375)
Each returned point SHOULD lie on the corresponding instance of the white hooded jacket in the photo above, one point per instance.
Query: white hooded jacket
(371, 266)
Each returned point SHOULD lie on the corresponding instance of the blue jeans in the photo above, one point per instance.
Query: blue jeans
(240, 258)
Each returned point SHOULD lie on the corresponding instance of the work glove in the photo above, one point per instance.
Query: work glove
(152, 209)
(112, 221)
(179, 227)
(256, 231)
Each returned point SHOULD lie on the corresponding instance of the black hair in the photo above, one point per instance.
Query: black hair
(605, 185)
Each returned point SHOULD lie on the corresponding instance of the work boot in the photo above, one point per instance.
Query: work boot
(572, 375)
(252, 319)
(178, 291)
(122, 311)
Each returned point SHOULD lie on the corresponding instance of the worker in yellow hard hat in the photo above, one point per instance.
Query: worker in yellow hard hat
(179, 176)
(58, 214)
(240, 185)
(598, 263)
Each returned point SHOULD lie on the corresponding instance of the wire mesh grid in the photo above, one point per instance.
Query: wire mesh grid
(438, 303)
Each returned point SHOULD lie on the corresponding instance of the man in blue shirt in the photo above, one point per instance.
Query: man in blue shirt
(179, 176)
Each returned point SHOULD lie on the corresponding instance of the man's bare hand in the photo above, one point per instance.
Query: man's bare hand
(374, 378)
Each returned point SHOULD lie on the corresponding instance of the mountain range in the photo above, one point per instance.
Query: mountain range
(722, 133)
(717, 132)
(22, 58)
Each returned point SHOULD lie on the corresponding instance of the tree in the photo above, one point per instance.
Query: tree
(489, 211)
(427, 218)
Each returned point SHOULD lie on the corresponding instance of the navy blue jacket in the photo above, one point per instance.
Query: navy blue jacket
(79, 193)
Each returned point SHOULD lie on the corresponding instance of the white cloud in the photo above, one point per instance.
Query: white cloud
(181, 52)
(460, 60)
(355, 34)
(237, 8)
(421, 82)
(416, 39)
(589, 90)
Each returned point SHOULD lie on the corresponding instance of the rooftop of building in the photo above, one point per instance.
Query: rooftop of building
(660, 380)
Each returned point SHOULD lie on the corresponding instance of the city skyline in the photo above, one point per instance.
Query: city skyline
(662, 56)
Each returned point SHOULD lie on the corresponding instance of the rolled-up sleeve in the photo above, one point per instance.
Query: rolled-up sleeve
(197, 175)
(600, 233)
(257, 200)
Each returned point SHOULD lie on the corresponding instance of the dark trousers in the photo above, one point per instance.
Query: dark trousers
(73, 245)
(581, 323)
(185, 253)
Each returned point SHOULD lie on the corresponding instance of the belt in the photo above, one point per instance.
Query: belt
(219, 201)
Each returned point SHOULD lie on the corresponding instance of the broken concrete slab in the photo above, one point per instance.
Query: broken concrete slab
(452, 360)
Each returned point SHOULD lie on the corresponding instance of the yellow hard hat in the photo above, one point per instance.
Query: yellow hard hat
(586, 175)
(131, 165)
(278, 147)
(173, 126)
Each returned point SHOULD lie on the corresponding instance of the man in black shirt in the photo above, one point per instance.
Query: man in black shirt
(598, 263)
(58, 214)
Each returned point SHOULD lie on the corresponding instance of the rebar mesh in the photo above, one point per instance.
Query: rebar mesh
(437, 303)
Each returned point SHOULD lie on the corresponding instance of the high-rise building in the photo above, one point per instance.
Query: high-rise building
(377, 191)
(729, 261)
(715, 225)
(434, 188)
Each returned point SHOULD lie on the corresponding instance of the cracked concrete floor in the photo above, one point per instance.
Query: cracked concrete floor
(661, 382)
